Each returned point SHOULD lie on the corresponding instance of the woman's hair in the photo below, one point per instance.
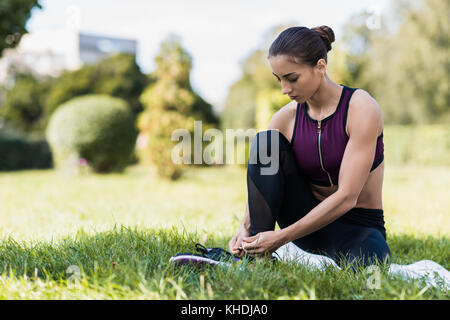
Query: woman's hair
(303, 45)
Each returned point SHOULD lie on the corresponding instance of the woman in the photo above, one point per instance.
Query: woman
(327, 194)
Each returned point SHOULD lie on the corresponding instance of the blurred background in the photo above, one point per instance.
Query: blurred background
(98, 86)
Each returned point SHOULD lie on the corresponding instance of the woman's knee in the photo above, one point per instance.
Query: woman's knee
(269, 141)
(370, 249)
(266, 146)
(374, 249)
(265, 152)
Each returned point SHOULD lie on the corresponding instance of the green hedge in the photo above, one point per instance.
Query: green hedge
(18, 153)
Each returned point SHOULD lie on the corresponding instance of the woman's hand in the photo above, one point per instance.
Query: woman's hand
(263, 242)
(235, 243)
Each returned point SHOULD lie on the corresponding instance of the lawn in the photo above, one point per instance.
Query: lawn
(110, 237)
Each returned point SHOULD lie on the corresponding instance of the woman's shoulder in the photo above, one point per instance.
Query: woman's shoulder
(362, 96)
(283, 117)
(363, 106)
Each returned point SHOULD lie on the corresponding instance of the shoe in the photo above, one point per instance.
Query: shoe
(211, 256)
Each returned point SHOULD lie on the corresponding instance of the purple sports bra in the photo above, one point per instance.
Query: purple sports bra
(319, 145)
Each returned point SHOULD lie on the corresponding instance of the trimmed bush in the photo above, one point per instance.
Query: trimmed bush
(98, 128)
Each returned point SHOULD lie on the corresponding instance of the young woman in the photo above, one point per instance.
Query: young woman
(327, 194)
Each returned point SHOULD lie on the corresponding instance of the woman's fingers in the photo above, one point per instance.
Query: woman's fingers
(232, 243)
(235, 245)
(251, 239)
(249, 246)
(242, 245)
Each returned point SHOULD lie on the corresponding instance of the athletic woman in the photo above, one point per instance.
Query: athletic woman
(327, 193)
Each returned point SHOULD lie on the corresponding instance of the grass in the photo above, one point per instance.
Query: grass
(115, 233)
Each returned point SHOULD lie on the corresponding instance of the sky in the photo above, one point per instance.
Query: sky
(218, 35)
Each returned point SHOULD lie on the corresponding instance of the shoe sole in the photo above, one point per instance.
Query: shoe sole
(196, 260)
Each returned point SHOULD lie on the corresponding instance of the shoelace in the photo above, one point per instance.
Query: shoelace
(221, 254)
(214, 253)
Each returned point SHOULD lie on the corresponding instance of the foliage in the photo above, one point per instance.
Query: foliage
(405, 67)
(31, 101)
(340, 67)
(18, 153)
(172, 90)
(97, 128)
(352, 52)
(117, 75)
(239, 111)
(424, 145)
(170, 104)
(24, 103)
(156, 128)
(268, 102)
(13, 17)
(240, 105)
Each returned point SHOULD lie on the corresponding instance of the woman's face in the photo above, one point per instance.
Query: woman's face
(298, 81)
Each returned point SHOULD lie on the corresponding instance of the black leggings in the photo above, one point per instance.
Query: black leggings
(358, 237)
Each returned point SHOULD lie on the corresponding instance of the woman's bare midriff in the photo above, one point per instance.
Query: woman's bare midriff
(371, 194)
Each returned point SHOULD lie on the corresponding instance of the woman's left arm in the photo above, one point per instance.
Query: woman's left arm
(363, 125)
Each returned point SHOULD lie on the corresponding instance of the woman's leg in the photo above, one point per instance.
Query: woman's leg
(283, 197)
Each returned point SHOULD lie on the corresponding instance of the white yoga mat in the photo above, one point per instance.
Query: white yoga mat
(430, 271)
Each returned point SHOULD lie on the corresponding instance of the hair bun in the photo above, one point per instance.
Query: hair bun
(327, 35)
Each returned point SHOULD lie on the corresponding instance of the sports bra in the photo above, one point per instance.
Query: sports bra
(319, 145)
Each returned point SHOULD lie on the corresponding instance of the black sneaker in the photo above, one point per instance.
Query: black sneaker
(211, 256)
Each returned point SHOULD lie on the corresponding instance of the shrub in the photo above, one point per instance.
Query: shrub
(98, 128)
(17, 153)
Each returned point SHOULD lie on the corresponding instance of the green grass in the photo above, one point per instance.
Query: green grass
(120, 231)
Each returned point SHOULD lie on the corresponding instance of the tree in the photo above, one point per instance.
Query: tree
(13, 17)
(410, 67)
(240, 105)
(116, 75)
(24, 103)
(353, 50)
(169, 104)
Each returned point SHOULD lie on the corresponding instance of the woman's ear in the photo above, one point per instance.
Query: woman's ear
(321, 66)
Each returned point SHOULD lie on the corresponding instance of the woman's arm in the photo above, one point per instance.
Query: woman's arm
(358, 157)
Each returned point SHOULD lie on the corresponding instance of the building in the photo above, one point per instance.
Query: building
(49, 52)
(93, 48)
